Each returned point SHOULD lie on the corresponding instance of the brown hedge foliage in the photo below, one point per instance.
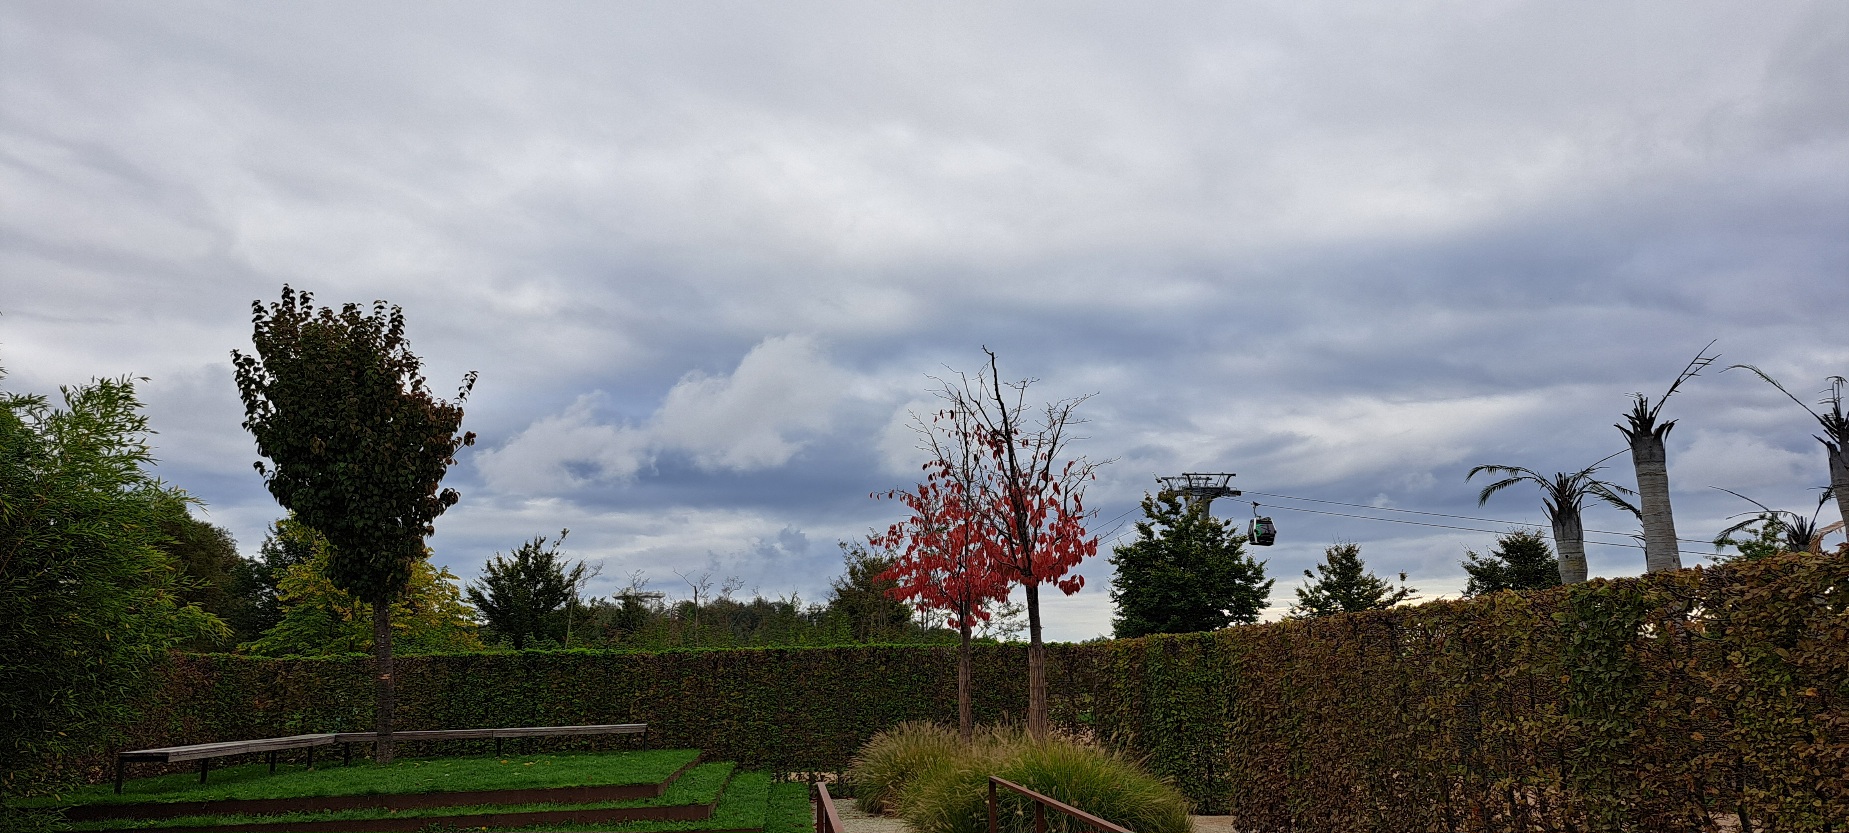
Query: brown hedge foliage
(1679, 701)
(1684, 701)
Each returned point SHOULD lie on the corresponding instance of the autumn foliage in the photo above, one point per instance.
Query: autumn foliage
(1002, 505)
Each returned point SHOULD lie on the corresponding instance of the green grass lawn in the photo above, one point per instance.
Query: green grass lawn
(408, 775)
(699, 786)
(751, 802)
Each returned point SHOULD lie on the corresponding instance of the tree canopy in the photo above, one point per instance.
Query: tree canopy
(1522, 560)
(357, 446)
(1185, 572)
(1342, 584)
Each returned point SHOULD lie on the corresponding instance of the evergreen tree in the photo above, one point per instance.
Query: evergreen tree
(862, 598)
(524, 598)
(1185, 572)
(1342, 584)
(1521, 561)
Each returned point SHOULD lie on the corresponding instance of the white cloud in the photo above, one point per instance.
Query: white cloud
(759, 416)
(755, 418)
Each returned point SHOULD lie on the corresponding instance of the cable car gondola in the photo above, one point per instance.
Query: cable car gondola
(1261, 531)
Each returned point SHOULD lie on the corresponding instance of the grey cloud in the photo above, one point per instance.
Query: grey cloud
(1346, 252)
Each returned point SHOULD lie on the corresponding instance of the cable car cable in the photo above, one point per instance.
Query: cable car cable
(1459, 517)
(1448, 526)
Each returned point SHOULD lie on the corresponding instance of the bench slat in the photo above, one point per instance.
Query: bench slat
(197, 751)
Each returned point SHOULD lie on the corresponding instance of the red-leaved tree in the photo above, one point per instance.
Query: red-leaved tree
(1023, 496)
(943, 555)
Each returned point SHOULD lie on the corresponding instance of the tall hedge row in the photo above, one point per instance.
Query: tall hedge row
(1662, 703)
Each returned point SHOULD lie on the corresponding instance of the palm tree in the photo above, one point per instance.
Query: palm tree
(1796, 533)
(1562, 496)
(1651, 461)
(1835, 436)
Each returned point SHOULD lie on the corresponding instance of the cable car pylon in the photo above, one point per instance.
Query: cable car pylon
(1203, 488)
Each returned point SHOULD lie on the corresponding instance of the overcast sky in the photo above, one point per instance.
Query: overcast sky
(707, 256)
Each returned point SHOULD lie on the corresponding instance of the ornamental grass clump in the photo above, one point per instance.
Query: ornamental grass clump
(946, 790)
(885, 766)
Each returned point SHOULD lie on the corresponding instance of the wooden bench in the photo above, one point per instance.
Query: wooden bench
(205, 752)
(347, 739)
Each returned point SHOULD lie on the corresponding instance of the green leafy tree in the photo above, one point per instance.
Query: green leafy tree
(89, 596)
(1185, 572)
(357, 446)
(1342, 584)
(1522, 560)
(1765, 535)
(525, 598)
(257, 581)
(211, 571)
(862, 599)
(320, 619)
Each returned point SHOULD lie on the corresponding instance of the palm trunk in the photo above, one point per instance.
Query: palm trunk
(1570, 543)
(966, 720)
(382, 660)
(1036, 667)
(1839, 481)
(1651, 462)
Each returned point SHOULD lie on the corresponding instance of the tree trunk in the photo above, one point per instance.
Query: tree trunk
(1839, 481)
(382, 661)
(966, 720)
(1036, 667)
(1570, 544)
(1651, 462)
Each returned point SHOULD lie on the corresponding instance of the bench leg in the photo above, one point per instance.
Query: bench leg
(118, 776)
(204, 764)
(346, 754)
(497, 747)
(272, 757)
(311, 757)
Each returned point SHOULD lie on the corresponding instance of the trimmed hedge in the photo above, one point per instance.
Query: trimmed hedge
(1658, 703)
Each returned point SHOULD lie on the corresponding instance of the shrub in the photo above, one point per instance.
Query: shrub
(948, 793)
(881, 770)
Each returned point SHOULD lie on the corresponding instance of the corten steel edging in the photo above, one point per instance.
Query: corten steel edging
(392, 801)
(826, 819)
(1041, 802)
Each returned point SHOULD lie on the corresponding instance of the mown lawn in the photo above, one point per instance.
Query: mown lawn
(699, 786)
(408, 775)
